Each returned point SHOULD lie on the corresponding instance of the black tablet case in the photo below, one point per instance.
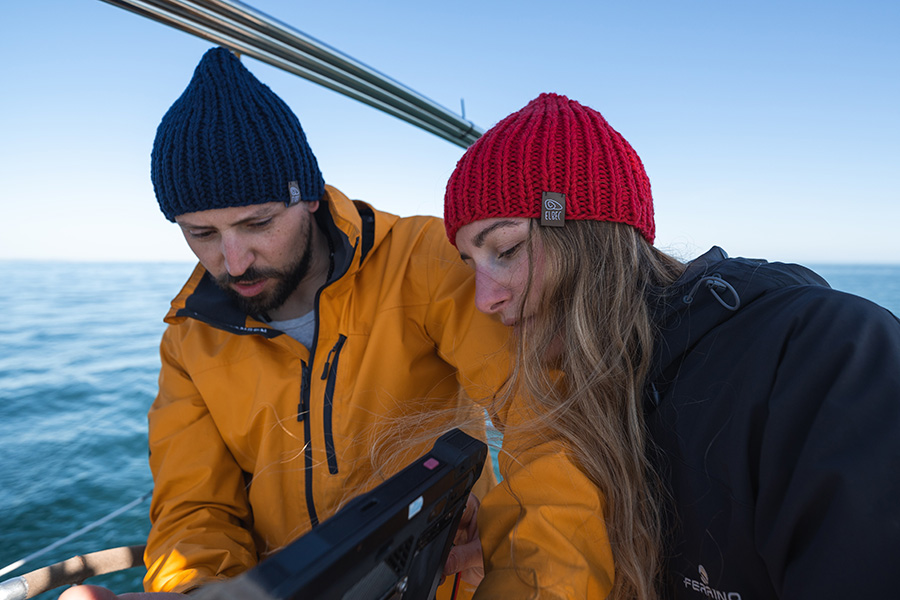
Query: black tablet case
(389, 543)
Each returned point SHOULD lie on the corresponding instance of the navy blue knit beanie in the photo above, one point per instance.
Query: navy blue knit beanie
(230, 141)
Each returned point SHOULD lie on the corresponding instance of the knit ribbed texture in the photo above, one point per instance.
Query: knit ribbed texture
(229, 141)
(552, 145)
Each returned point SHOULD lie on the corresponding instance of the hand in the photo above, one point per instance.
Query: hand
(466, 556)
(94, 592)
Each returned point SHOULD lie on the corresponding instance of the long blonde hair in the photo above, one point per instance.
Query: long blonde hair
(594, 308)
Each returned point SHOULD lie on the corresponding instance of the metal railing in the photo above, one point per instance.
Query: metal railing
(246, 30)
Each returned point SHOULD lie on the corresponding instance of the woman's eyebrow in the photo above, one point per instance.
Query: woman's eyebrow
(478, 241)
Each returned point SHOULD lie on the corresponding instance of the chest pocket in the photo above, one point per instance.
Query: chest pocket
(330, 375)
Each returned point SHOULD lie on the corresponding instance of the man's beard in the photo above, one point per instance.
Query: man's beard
(286, 282)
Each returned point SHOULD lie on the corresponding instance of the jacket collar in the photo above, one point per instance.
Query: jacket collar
(713, 289)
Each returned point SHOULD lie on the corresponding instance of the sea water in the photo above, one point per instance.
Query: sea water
(78, 370)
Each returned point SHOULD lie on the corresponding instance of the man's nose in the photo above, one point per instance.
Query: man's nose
(238, 257)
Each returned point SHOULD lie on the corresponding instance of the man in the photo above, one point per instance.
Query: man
(314, 329)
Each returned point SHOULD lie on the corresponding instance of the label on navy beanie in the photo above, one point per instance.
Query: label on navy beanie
(553, 209)
(294, 193)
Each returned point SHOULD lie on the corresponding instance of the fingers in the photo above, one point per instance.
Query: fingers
(453, 561)
(87, 592)
(466, 559)
(95, 592)
(466, 555)
(468, 524)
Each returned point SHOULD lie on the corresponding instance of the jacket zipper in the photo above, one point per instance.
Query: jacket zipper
(303, 415)
(330, 372)
(305, 396)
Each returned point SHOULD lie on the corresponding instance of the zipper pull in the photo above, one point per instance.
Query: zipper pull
(304, 392)
(328, 360)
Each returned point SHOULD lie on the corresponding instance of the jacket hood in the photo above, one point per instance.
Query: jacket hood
(713, 289)
(352, 228)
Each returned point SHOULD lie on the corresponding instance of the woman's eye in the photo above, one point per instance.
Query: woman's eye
(511, 252)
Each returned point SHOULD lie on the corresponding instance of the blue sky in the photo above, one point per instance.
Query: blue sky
(769, 128)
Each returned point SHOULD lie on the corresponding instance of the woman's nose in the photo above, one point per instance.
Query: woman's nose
(490, 295)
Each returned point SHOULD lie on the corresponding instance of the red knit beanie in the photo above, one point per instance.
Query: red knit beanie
(552, 145)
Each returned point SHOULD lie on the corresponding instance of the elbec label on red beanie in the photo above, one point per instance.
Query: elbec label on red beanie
(553, 209)
(552, 145)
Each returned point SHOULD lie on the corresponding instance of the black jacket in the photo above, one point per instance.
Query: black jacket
(774, 407)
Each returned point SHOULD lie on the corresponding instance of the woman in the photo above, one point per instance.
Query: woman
(766, 404)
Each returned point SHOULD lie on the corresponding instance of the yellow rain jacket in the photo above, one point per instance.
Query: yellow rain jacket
(255, 438)
(542, 529)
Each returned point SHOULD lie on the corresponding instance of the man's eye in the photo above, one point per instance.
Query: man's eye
(511, 252)
(261, 224)
(199, 235)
